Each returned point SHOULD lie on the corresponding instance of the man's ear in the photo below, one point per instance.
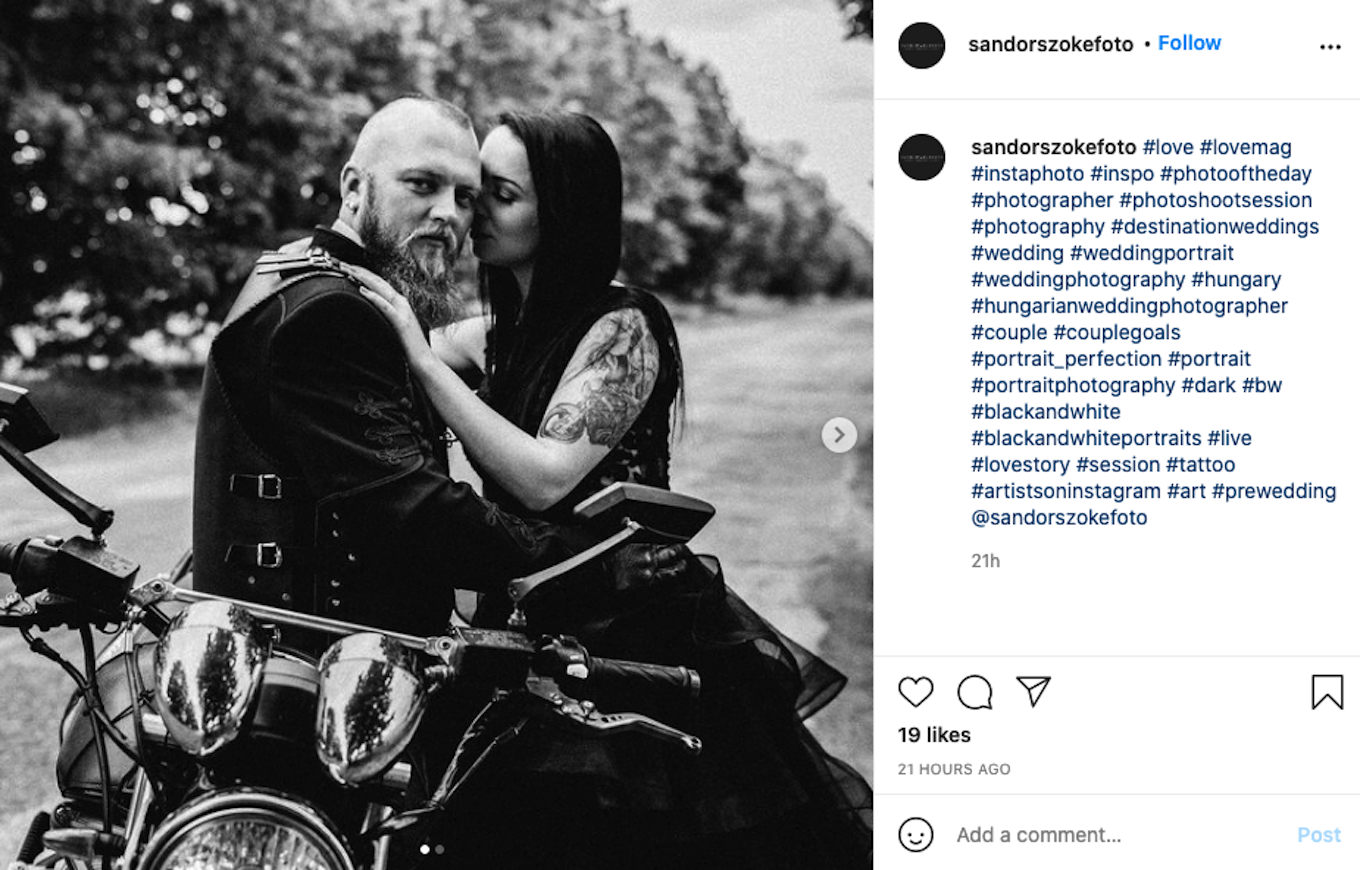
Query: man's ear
(351, 188)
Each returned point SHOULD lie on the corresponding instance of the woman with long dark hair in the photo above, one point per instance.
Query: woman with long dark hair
(581, 373)
(582, 378)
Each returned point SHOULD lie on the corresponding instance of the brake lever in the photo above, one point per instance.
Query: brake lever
(45, 611)
(17, 608)
(544, 698)
(585, 718)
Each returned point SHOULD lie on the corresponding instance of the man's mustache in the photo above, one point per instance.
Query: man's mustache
(442, 233)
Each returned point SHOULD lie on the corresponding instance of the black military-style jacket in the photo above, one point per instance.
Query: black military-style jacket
(320, 480)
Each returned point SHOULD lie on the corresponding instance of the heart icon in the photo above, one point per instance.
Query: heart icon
(915, 689)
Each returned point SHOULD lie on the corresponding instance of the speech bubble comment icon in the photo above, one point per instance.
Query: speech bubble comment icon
(975, 693)
(915, 689)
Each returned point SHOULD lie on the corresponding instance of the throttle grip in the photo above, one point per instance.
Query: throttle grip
(9, 555)
(616, 684)
(674, 681)
(29, 563)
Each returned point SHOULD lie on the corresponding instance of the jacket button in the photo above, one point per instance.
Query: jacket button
(335, 603)
(335, 584)
(350, 557)
(250, 580)
(286, 597)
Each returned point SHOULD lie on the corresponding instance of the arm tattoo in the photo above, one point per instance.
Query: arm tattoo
(619, 371)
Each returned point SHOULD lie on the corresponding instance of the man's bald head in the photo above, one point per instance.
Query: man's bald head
(394, 121)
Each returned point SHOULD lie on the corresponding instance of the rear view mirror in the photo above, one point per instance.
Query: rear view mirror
(631, 514)
(665, 517)
(20, 422)
(22, 429)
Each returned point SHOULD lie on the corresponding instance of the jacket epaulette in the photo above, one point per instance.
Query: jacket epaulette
(313, 260)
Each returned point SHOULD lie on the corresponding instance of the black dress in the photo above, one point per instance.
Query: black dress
(761, 794)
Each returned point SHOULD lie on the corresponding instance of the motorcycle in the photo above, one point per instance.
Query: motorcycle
(199, 739)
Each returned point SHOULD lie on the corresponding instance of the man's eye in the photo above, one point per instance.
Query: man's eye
(466, 197)
(421, 185)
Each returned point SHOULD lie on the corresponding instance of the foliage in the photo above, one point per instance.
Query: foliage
(791, 240)
(152, 147)
(859, 18)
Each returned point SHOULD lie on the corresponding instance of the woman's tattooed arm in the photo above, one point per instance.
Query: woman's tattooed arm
(618, 372)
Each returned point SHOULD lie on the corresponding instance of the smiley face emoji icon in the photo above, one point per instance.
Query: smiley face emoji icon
(916, 834)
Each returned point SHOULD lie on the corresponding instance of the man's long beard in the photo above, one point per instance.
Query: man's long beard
(426, 280)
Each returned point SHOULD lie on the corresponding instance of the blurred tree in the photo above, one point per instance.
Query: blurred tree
(154, 146)
(682, 152)
(859, 18)
(151, 148)
(791, 239)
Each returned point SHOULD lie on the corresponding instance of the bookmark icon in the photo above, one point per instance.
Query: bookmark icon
(1329, 687)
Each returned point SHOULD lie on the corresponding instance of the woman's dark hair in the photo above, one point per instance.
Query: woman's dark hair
(579, 182)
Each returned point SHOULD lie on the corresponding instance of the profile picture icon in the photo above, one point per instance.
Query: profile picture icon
(921, 157)
(921, 45)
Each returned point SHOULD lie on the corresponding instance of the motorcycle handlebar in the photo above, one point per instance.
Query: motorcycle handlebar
(81, 571)
(28, 563)
(638, 680)
(9, 555)
(87, 573)
(676, 681)
(615, 683)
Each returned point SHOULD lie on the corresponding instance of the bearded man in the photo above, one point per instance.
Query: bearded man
(321, 482)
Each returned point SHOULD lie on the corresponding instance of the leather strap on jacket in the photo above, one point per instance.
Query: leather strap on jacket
(270, 555)
(268, 487)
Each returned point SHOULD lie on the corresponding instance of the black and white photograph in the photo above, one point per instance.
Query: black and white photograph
(436, 433)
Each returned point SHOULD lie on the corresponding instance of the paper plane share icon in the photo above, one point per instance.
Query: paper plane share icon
(1035, 686)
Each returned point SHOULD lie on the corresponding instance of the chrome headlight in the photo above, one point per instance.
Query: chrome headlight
(371, 702)
(209, 664)
(236, 830)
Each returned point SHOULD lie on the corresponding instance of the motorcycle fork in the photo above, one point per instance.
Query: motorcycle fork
(377, 814)
(142, 795)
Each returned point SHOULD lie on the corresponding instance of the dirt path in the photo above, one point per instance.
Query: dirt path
(793, 526)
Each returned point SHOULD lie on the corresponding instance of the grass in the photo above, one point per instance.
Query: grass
(82, 403)
(843, 592)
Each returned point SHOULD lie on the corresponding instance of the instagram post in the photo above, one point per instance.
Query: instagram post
(442, 432)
